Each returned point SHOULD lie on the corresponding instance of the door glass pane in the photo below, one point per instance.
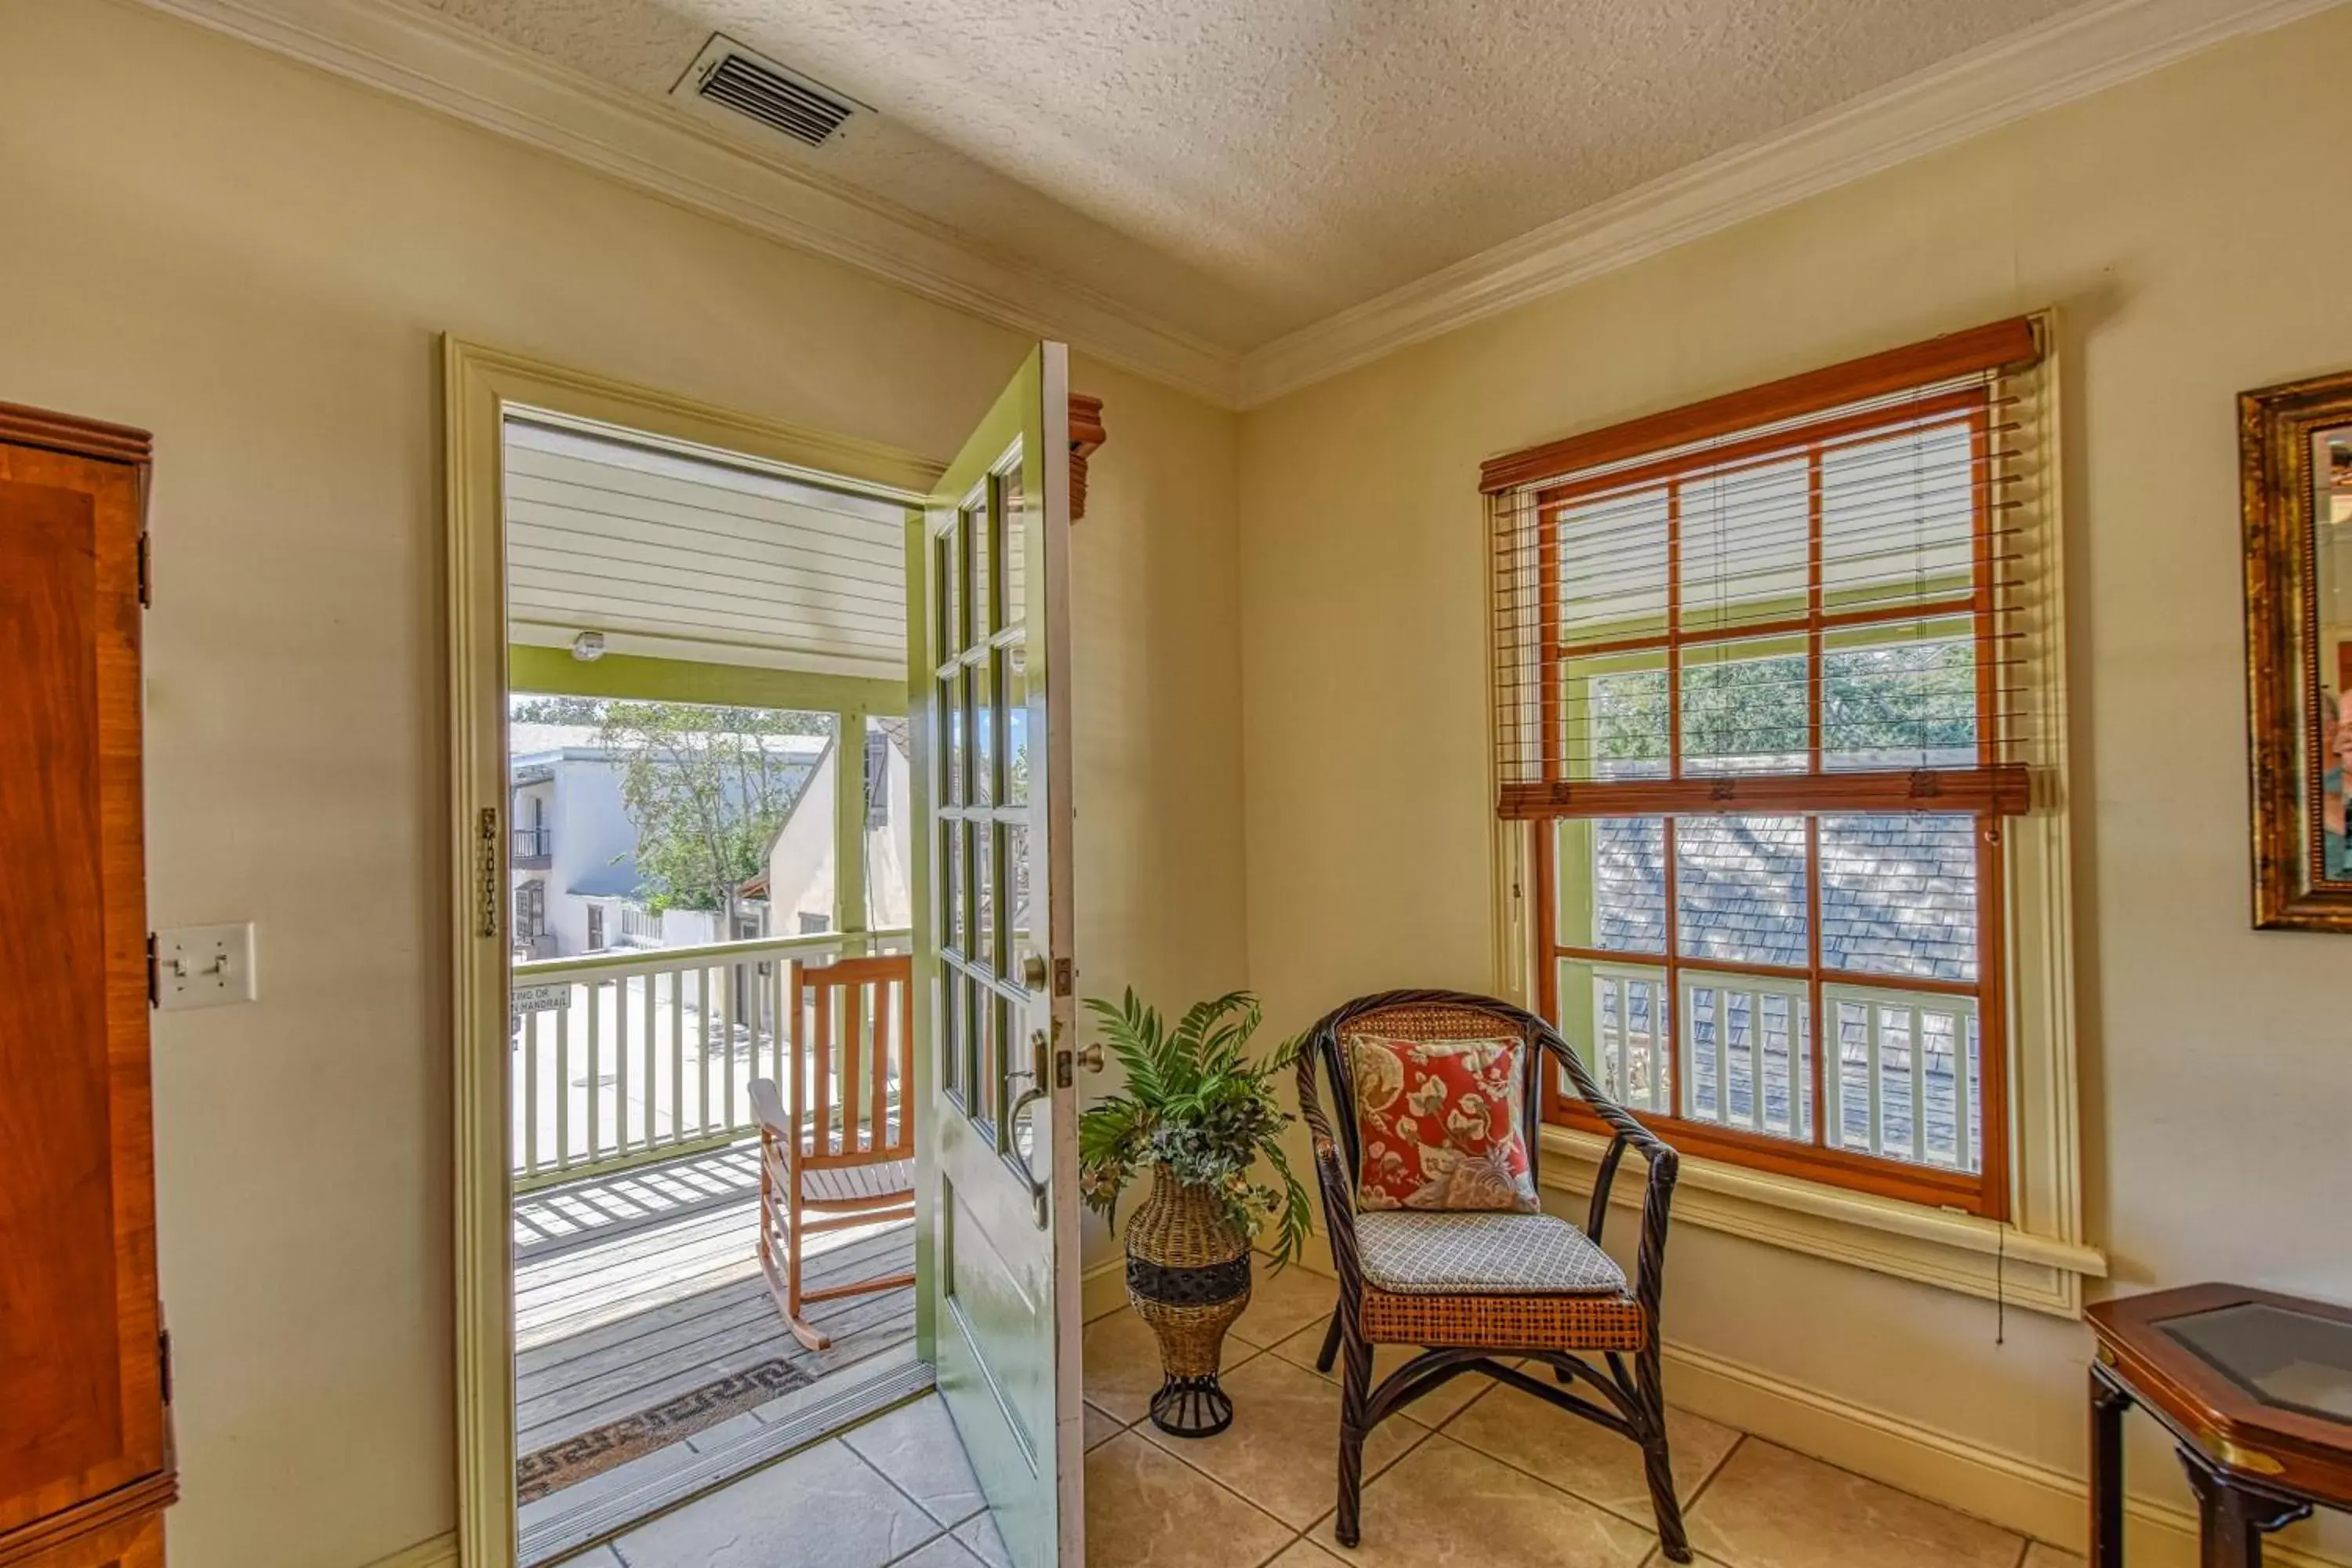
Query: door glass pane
(980, 1004)
(1016, 666)
(1016, 876)
(983, 738)
(951, 864)
(1015, 575)
(983, 537)
(1007, 949)
(972, 543)
(970, 862)
(951, 700)
(1740, 888)
(983, 894)
(946, 566)
(947, 993)
(975, 1023)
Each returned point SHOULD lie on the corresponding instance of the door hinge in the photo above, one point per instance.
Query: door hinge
(486, 857)
(1063, 971)
(163, 1360)
(146, 572)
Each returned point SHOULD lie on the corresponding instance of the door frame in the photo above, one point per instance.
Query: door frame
(479, 384)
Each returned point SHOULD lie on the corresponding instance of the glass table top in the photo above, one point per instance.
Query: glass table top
(2286, 1359)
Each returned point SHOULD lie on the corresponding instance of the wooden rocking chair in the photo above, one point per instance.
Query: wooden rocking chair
(1484, 1289)
(838, 1150)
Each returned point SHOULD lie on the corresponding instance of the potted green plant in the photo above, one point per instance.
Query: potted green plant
(1201, 1114)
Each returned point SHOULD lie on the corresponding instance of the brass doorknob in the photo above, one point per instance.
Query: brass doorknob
(1033, 972)
(1091, 1058)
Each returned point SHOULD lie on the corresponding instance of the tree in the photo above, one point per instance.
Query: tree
(1889, 703)
(538, 710)
(707, 789)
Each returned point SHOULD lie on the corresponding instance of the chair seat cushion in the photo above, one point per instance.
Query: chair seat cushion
(1440, 1123)
(1412, 1253)
(1493, 1281)
(858, 1183)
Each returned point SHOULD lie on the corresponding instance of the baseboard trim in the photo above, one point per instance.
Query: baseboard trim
(1102, 1289)
(2019, 1494)
(441, 1551)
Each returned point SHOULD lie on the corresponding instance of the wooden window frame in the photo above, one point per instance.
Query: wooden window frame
(1986, 794)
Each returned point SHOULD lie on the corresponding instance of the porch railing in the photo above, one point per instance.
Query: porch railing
(620, 1058)
(1736, 1051)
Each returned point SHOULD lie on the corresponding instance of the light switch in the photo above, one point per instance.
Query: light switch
(203, 967)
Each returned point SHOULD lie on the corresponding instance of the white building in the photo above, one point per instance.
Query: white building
(573, 857)
(802, 863)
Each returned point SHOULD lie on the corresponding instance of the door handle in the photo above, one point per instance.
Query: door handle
(1091, 1058)
(1033, 972)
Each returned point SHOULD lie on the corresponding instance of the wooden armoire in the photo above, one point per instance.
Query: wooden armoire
(86, 1463)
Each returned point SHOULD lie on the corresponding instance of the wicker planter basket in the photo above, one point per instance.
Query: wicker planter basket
(1187, 1275)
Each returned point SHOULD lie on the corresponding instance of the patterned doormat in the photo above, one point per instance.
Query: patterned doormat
(592, 1452)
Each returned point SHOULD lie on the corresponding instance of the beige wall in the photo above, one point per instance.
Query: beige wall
(2193, 256)
(254, 260)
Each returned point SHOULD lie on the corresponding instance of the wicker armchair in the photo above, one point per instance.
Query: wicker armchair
(1470, 1285)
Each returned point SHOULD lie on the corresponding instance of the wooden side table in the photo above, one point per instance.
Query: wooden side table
(2256, 1389)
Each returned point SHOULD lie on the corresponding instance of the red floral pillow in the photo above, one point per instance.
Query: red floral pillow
(1440, 1125)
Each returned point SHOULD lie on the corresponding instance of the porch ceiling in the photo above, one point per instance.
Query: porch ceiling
(681, 557)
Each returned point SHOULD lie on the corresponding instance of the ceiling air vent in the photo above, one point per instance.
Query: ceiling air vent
(729, 77)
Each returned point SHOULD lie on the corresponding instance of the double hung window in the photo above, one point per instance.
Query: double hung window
(1761, 702)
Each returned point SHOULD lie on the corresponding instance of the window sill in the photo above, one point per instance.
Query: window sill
(1934, 1247)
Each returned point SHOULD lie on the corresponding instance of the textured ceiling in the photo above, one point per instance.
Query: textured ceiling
(1240, 168)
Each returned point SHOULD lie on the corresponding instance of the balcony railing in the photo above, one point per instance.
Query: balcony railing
(533, 844)
(620, 1058)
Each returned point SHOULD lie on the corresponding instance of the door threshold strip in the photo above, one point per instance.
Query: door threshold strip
(613, 1512)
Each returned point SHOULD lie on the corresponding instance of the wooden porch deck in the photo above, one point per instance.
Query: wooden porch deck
(634, 1289)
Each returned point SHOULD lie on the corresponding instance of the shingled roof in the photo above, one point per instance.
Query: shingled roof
(1898, 891)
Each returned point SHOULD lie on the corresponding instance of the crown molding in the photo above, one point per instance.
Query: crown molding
(423, 55)
(2039, 68)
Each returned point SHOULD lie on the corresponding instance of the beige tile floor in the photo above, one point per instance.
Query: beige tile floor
(895, 1490)
(1475, 1474)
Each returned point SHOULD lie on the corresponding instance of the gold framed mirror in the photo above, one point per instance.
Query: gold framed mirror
(2295, 474)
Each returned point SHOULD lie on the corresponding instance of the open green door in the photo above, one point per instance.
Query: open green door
(997, 1220)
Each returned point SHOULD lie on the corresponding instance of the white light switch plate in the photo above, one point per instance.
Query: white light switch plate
(203, 967)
